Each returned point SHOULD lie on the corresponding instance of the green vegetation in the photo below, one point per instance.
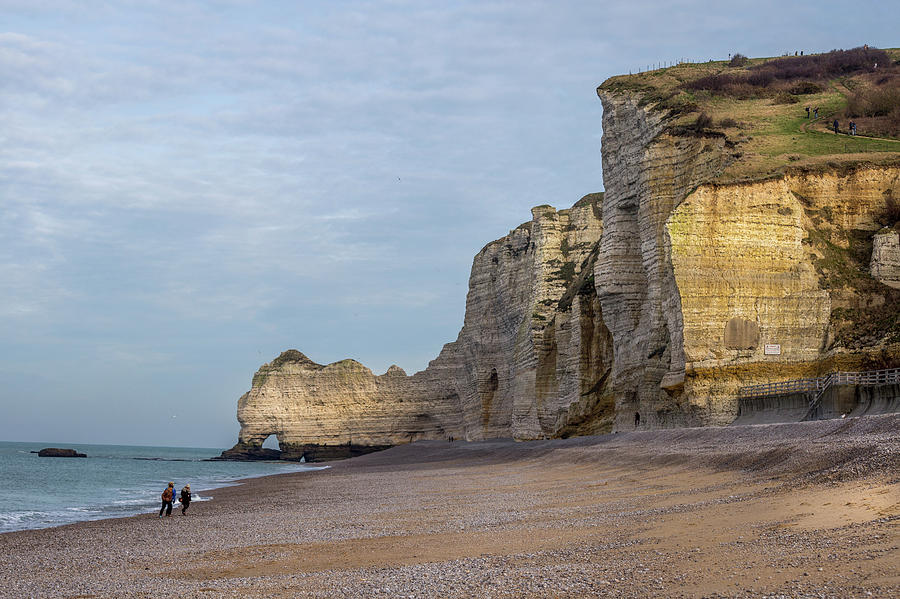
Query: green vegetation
(566, 272)
(595, 200)
(591, 198)
(837, 266)
(843, 264)
(755, 111)
(738, 60)
(759, 105)
(890, 216)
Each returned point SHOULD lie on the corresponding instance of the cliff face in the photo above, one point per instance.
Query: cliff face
(513, 363)
(648, 172)
(696, 278)
(659, 299)
(530, 360)
(769, 263)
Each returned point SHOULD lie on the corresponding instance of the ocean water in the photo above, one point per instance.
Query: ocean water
(113, 481)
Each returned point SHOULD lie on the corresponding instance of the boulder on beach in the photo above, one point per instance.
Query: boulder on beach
(56, 452)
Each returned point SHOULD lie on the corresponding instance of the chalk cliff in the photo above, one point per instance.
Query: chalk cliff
(531, 360)
(695, 277)
(885, 265)
(658, 298)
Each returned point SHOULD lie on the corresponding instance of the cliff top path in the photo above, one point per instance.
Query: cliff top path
(794, 510)
(759, 106)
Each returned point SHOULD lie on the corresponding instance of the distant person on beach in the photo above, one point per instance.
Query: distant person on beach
(168, 496)
(185, 498)
(836, 131)
(637, 419)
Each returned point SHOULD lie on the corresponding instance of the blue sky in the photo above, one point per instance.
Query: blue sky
(187, 189)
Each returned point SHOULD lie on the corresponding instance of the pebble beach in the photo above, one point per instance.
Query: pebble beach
(781, 510)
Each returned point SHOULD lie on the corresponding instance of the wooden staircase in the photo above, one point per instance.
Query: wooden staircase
(816, 388)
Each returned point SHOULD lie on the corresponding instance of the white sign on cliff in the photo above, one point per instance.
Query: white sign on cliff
(772, 349)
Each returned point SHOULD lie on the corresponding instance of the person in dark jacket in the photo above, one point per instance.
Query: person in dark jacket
(168, 496)
(185, 498)
(836, 127)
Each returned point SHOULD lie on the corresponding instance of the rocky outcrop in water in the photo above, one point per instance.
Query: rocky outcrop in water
(56, 452)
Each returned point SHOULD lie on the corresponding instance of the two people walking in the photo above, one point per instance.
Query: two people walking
(835, 125)
(168, 498)
(851, 129)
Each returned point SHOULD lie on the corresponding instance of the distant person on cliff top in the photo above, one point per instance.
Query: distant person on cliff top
(185, 498)
(807, 112)
(168, 496)
(816, 112)
(836, 131)
(637, 419)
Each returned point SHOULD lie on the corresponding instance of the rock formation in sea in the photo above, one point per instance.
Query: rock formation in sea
(56, 452)
(659, 298)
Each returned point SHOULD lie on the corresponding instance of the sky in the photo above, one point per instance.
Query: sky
(189, 188)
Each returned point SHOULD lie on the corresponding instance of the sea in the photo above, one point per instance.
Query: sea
(113, 481)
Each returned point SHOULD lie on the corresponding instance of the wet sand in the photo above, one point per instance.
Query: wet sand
(793, 510)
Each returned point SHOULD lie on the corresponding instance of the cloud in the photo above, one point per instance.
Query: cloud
(393, 297)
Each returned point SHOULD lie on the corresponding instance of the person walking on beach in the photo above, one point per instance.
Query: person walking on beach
(185, 498)
(168, 496)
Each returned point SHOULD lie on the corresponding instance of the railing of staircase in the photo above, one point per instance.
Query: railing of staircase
(817, 386)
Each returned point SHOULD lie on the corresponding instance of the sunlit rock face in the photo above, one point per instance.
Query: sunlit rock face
(707, 287)
(761, 269)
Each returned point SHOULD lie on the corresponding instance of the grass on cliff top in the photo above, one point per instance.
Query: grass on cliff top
(765, 124)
